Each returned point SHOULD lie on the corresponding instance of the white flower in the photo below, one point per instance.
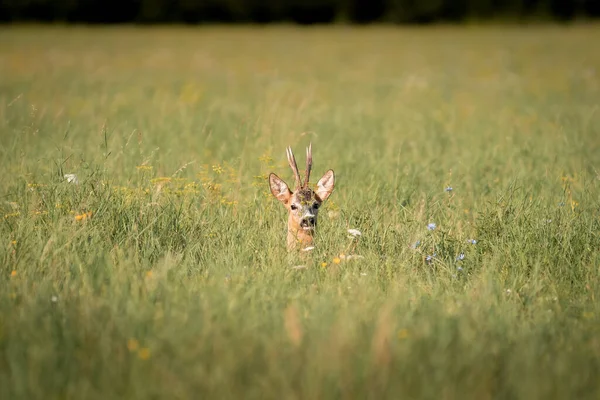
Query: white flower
(354, 233)
(54, 299)
(72, 178)
(309, 248)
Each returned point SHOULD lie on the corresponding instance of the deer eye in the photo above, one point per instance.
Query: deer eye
(294, 207)
(316, 206)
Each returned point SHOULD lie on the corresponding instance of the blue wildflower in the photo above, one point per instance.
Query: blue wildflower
(460, 257)
(431, 226)
(449, 189)
(416, 244)
(459, 269)
(472, 241)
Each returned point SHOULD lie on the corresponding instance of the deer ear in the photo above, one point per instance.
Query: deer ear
(325, 185)
(279, 188)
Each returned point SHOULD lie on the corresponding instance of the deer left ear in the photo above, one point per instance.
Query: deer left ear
(325, 185)
(279, 188)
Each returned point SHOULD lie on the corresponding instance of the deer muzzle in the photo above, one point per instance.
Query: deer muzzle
(308, 222)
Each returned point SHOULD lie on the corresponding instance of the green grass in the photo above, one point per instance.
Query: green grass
(177, 284)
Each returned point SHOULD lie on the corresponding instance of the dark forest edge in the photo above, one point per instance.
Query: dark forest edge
(298, 11)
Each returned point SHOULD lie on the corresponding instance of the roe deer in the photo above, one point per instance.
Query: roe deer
(303, 203)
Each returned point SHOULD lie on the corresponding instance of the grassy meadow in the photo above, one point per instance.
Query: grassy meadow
(163, 273)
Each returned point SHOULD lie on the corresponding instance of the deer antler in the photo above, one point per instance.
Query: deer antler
(308, 164)
(294, 166)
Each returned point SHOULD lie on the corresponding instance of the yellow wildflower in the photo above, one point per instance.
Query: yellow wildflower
(402, 334)
(13, 273)
(132, 345)
(83, 216)
(159, 180)
(265, 159)
(574, 204)
(337, 260)
(144, 353)
(323, 264)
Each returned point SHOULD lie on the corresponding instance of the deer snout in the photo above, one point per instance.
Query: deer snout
(308, 222)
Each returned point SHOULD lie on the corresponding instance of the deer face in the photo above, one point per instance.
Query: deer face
(303, 203)
(304, 208)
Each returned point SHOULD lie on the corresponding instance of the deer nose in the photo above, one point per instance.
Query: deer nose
(307, 222)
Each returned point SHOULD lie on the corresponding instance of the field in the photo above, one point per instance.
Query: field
(163, 271)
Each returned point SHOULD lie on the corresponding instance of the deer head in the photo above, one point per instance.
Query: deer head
(303, 203)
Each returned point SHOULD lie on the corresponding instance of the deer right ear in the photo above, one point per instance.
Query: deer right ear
(325, 185)
(279, 188)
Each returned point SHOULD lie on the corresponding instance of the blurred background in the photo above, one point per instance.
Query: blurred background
(298, 11)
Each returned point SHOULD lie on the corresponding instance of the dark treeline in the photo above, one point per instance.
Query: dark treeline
(299, 11)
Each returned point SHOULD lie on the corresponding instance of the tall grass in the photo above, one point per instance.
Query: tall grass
(163, 272)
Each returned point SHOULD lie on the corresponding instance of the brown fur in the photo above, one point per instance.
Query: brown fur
(296, 236)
